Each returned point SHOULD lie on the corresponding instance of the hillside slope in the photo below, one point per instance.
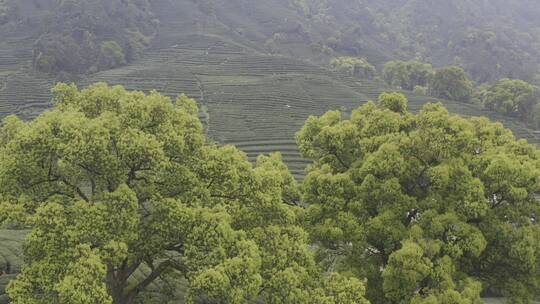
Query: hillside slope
(490, 39)
(248, 97)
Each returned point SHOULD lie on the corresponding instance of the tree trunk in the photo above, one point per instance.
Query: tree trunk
(117, 285)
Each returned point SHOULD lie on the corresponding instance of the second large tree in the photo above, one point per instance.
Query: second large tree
(428, 207)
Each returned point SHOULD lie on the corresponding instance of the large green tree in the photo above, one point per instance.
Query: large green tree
(122, 191)
(451, 83)
(512, 97)
(358, 67)
(407, 74)
(430, 208)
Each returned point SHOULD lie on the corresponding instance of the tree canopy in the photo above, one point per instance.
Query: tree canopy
(122, 190)
(429, 207)
(451, 83)
(407, 74)
(512, 97)
(353, 66)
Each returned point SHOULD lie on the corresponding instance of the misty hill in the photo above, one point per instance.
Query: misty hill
(490, 39)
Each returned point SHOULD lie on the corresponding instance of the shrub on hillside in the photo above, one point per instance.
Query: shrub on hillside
(407, 74)
(512, 97)
(111, 55)
(354, 66)
(451, 83)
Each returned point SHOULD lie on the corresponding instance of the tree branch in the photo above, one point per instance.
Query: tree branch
(149, 279)
(77, 189)
(334, 153)
(156, 272)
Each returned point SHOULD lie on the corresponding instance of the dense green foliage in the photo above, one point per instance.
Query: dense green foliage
(357, 67)
(115, 183)
(430, 208)
(490, 39)
(512, 97)
(87, 36)
(451, 83)
(407, 74)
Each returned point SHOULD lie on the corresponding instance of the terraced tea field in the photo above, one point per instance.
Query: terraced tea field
(257, 101)
(248, 98)
(259, 109)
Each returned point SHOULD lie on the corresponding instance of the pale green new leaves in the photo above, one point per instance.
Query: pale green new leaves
(423, 206)
(406, 268)
(125, 185)
(83, 283)
(95, 171)
(394, 102)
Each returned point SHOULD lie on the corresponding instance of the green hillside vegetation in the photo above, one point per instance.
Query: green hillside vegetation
(357, 67)
(252, 99)
(87, 36)
(490, 40)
